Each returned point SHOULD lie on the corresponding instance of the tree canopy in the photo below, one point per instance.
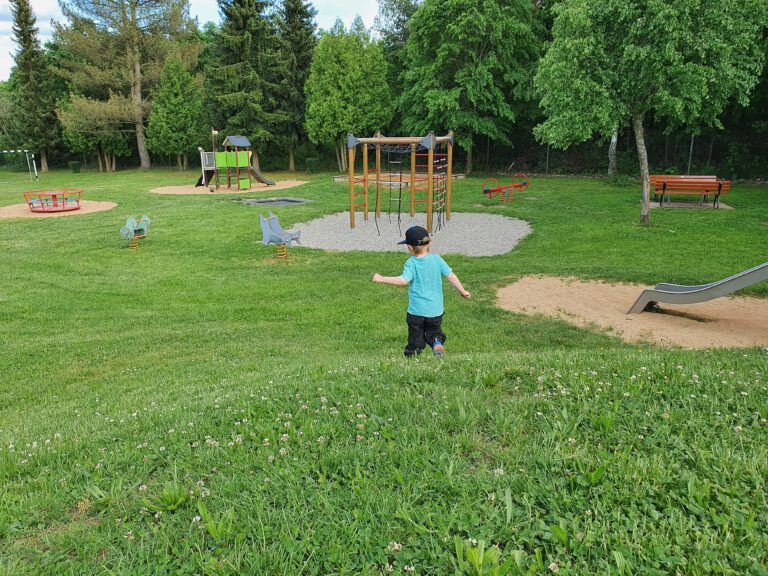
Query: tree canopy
(467, 61)
(175, 123)
(347, 89)
(617, 62)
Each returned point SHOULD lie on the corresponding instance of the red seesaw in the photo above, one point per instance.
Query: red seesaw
(493, 188)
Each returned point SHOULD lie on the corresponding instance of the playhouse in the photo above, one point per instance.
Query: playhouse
(232, 164)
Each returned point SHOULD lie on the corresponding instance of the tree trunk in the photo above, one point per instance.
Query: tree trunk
(107, 163)
(114, 162)
(185, 160)
(612, 152)
(291, 159)
(642, 154)
(469, 162)
(43, 161)
(179, 164)
(338, 157)
(98, 157)
(134, 58)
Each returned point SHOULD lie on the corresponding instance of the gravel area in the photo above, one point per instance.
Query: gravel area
(470, 234)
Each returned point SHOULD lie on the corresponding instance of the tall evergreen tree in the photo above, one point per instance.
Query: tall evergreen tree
(34, 124)
(296, 33)
(467, 75)
(118, 47)
(243, 74)
(392, 26)
(175, 123)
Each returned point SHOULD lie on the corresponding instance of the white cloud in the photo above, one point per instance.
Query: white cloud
(205, 10)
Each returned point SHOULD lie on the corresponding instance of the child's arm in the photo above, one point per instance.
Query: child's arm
(394, 280)
(453, 279)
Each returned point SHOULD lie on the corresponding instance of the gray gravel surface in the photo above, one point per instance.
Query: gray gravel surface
(471, 234)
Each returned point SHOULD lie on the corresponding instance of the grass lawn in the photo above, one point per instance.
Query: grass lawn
(197, 407)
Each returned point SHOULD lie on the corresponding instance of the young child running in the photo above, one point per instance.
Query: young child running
(422, 273)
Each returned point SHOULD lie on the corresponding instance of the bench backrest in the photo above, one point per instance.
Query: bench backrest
(711, 186)
(689, 182)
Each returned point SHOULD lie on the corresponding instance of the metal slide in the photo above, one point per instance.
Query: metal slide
(680, 294)
(257, 175)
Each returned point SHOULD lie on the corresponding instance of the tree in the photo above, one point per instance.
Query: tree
(347, 89)
(34, 123)
(296, 33)
(175, 123)
(391, 25)
(467, 62)
(117, 49)
(243, 70)
(91, 125)
(618, 61)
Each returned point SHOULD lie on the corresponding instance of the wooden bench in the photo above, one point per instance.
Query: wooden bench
(689, 185)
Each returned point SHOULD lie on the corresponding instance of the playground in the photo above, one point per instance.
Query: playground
(200, 385)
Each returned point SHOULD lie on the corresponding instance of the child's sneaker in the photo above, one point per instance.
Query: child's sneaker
(438, 349)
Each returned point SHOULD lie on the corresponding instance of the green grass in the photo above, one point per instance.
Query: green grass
(197, 407)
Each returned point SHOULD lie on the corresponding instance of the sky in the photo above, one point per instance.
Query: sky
(204, 10)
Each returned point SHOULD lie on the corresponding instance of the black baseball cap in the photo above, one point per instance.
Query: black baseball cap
(416, 236)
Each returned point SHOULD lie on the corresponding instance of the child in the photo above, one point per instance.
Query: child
(422, 274)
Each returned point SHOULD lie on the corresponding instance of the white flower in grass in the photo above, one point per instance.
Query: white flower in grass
(553, 567)
(738, 429)
(571, 441)
(388, 567)
(129, 536)
(196, 520)
(142, 488)
(409, 568)
(499, 471)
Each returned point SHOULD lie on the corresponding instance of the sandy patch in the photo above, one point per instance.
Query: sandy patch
(255, 187)
(728, 322)
(23, 211)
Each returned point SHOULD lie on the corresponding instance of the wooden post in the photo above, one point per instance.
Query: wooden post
(430, 182)
(378, 178)
(351, 160)
(412, 185)
(450, 178)
(365, 181)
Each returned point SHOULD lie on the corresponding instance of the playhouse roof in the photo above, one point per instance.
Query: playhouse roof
(239, 141)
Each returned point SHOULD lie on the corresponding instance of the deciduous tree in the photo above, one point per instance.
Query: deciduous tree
(347, 90)
(118, 48)
(468, 61)
(618, 61)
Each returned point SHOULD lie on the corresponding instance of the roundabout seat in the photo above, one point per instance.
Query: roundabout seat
(58, 200)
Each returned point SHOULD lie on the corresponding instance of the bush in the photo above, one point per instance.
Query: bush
(312, 164)
(75, 166)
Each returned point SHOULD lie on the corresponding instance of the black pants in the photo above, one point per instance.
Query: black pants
(423, 331)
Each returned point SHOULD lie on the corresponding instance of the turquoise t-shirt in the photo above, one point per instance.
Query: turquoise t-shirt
(425, 284)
